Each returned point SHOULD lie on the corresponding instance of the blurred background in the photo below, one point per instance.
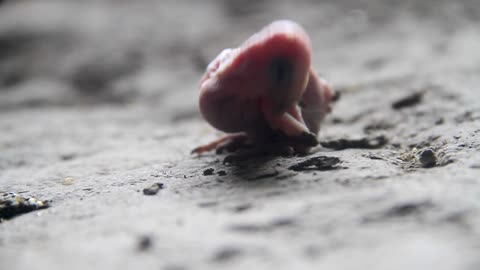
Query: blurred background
(63, 53)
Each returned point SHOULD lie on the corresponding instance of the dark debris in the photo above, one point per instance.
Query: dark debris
(364, 143)
(12, 204)
(408, 101)
(321, 163)
(208, 172)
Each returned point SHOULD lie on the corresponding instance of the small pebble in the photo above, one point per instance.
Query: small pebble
(153, 189)
(427, 158)
(67, 181)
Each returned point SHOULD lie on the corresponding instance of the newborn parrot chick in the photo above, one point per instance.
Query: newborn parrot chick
(266, 91)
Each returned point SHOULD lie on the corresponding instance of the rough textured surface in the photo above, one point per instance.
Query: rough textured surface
(98, 102)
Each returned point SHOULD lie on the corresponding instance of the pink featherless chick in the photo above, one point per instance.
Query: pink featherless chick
(266, 91)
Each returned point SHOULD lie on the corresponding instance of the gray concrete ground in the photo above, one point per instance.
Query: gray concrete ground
(98, 102)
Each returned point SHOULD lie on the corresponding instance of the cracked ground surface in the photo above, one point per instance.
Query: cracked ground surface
(98, 102)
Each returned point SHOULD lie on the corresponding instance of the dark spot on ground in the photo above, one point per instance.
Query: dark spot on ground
(407, 209)
(145, 242)
(377, 126)
(427, 158)
(226, 254)
(459, 217)
(312, 251)
(320, 163)
(337, 120)
(280, 222)
(372, 156)
(266, 227)
(468, 116)
(175, 267)
(440, 121)
(222, 173)
(67, 156)
(153, 189)
(207, 204)
(401, 210)
(275, 193)
(364, 143)
(264, 175)
(408, 101)
(475, 166)
(242, 207)
(375, 63)
(208, 171)
(247, 228)
(12, 204)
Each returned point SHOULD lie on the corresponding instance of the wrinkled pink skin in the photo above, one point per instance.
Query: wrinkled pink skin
(266, 85)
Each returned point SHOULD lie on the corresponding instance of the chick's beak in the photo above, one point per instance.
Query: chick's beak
(289, 122)
(279, 105)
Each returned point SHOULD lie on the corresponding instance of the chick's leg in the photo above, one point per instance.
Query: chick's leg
(230, 142)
